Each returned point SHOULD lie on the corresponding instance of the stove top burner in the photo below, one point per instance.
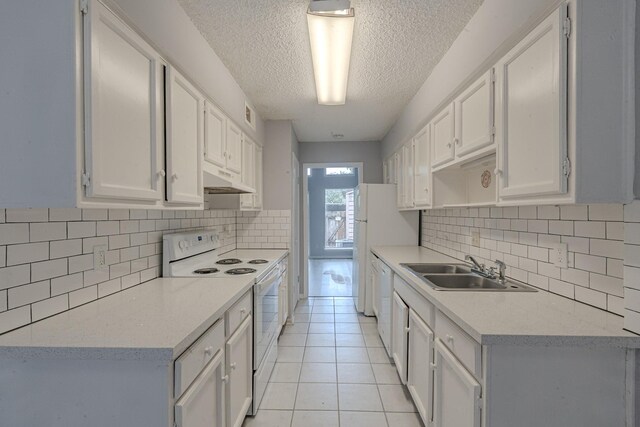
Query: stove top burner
(209, 270)
(258, 261)
(238, 271)
(229, 261)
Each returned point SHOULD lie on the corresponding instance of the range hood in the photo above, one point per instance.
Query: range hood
(222, 182)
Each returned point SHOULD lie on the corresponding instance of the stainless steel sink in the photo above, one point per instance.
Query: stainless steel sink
(438, 268)
(459, 277)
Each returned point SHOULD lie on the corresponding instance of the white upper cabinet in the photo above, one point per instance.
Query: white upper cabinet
(474, 117)
(258, 179)
(398, 177)
(184, 132)
(422, 168)
(407, 175)
(531, 115)
(234, 147)
(215, 134)
(123, 111)
(247, 201)
(442, 135)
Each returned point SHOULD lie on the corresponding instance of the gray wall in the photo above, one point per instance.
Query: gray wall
(280, 142)
(636, 183)
(346, 152)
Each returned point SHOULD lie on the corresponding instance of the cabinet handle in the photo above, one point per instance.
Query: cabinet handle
(225, 378)
(243, 310)
(449, 339)
(407, 329)
(448, 145)
(497, 171)
(432, 366)
(162, 173)
(456, 141)
(233, 366)
(224, 154)
(174, 176)
(208, 351)
(426, 190)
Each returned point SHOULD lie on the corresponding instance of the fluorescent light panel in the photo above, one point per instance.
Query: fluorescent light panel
(331, 35)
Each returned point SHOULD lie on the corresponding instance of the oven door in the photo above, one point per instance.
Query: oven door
(265, 309)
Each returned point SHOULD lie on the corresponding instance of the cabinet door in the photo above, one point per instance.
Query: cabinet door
(474, 116)
(385, 284)
(419, 371)
(185, 131)
(399, 335)
(203, 402)
(248, 171)
(399, 178)
(257, 197)
(234, 147)
(215, 131)
(532, 113)
(373, 284)
(456, 394)
(422, 169)
(123, 110)
(407, 166)
(239, 351)
(442, 134)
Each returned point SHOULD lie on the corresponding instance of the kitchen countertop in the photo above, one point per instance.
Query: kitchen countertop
(513, 318)
(156, 320)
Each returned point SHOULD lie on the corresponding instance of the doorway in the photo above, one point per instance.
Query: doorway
(329, 219)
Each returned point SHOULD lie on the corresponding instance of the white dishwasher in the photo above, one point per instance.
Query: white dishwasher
(385, 287)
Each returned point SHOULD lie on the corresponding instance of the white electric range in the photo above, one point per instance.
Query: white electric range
(197, 254)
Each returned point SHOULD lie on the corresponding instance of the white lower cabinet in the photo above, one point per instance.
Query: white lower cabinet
(420, 366)
(456, 393)
(400, 335)
(239, 349)
(203, 403)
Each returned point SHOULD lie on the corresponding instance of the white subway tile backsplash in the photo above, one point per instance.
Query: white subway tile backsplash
(49, 307)
(2, 216)
(13, 319)
(596, 264)
(66, 284)
(107, 228)
(591, 297)
(93, 277)
(80, 263)
(95, 214)
(14, 233)
(48, 269)
(607, 284)
(3, 300)
(119, 214)
(65, 248)
(607, 248)
(3, 256)
(27, 253)
(89, 243)
(28, 294)
(27, 215)
(615, 230)
(615, 304)
(562, 288)
(574, 212)
(47, 231)
(606, 212)
(119, 241)
(110, 287)
(590, 229)
(81, 229)
(64, 214)
(15, 276)
(564, 228)
(83, 296)
(130, 280)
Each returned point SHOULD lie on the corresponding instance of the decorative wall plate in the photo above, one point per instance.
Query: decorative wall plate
(485, 179)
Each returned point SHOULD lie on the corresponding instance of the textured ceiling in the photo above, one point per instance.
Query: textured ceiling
(396, 44)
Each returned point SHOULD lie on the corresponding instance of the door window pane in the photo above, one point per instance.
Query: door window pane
(339, 218)
(339, 171)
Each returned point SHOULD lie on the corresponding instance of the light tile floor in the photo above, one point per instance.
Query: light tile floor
(330, 277)
(333, 371)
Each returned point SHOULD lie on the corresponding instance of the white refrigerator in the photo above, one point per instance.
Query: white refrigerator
(377, 222)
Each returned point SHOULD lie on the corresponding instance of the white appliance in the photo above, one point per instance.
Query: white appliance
(196, 254)
(385, 294)
(378, 222)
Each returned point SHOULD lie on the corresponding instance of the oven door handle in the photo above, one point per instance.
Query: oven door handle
(269, 280)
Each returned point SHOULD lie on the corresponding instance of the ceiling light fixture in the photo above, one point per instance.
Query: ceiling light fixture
(331, 32)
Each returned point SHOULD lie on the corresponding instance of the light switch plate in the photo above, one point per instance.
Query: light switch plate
(475, 238)
(100, 257)
(561, 255)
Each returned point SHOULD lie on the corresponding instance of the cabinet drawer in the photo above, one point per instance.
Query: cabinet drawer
(417, 302)
(195, 358)
(465, 348)
(238, 312)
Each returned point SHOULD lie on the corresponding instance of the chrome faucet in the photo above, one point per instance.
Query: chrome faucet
(480, 268)
(473, 260)
(502, 268)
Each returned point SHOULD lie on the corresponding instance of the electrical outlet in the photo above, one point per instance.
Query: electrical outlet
(561, 255)
(100, 257)
(475, 238)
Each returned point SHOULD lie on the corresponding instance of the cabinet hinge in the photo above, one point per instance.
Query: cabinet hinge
(567, 27)
(566, 167)
(86, 180)
(84, 6)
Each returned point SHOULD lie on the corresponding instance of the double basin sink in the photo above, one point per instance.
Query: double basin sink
(460, 277)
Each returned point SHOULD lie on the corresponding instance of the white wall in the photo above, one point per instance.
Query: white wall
(171, 31)
(494, 24)
(346, 152)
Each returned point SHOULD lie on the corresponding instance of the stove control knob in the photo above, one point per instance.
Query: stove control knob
(183, 244)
